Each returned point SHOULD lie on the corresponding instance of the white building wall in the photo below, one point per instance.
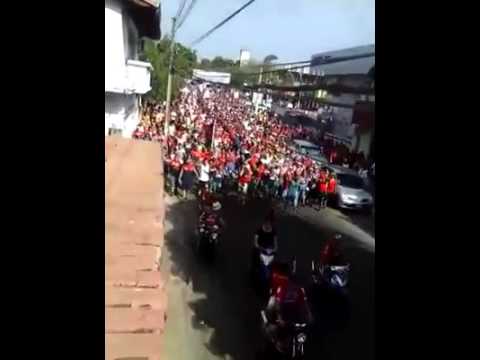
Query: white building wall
(124, 80)
(244, 57)
(114, 46)
(121, 113)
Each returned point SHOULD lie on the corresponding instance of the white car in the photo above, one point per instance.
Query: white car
(351, 191)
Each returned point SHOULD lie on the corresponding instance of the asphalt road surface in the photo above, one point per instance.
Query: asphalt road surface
(213, 312)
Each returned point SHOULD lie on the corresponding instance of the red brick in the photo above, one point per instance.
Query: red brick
(156, 299)
(120, 276)
(133, 345)
(125, 320)
(143, 262)
(150, 279)
(134, 234)
(129, 249)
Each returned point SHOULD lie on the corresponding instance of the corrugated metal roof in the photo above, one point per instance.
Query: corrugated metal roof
(357, 66)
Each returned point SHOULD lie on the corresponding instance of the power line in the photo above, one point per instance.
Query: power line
(180, 8)
(221, 24)
(187, 13)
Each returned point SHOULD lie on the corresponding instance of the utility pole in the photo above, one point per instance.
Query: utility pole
(260, 76)
(169, 81)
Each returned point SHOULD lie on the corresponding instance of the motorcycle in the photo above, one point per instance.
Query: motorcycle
(262, 270)
(334, 278)
(291, 339)
(329, 296)
(207, 240)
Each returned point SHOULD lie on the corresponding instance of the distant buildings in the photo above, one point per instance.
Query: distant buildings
(354, 119)
(126, 78)
(356, 66)
(244, 57)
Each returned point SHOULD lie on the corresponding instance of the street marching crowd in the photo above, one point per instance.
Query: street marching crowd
(216, 139)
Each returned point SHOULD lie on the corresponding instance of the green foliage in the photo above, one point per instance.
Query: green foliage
(158, 54)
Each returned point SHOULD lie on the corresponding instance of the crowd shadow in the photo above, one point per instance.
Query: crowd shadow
(226, 304)
(364, 221)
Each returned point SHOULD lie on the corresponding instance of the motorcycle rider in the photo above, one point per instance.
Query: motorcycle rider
(205, 197)
(265, 238)
(286, 305)
(330, 254)
(211, 216)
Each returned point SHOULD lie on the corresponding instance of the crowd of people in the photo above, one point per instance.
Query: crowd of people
(216, 139)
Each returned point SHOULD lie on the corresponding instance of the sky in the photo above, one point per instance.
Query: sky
(293, 30)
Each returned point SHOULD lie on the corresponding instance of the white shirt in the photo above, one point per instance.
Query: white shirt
(204, 173)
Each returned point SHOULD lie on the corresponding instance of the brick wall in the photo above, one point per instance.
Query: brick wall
(135, 296)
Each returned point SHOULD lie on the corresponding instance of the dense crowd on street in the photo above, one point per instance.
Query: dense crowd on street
(216, 140)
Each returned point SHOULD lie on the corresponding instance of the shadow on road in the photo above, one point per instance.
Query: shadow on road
(223, 304)
(366, 222)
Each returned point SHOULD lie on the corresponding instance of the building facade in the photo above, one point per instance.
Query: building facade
(126, 78)
(244, 57)
(346, 127)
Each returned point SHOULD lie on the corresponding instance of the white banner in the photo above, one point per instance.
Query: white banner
(216, 77)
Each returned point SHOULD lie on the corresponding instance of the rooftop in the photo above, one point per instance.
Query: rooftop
(357, 66)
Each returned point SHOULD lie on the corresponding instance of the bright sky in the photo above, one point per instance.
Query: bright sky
(291, 29)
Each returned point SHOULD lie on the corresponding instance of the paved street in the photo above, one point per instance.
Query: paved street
(213, 313)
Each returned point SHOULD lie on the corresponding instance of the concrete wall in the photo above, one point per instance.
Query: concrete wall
(362, 142)
(122, 113)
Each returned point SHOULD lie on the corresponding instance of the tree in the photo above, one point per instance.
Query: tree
(219, 63)
(205, 63)
(158, 55)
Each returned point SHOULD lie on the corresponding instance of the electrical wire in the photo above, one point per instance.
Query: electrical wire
(204, 36)
(180, 8)
(187, 13)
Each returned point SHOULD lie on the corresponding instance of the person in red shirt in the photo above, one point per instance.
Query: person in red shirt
(173, 167)
(244, 180)
(322, 188)
(188, 174)
(333, 156)
(287, 305)
(197, 153)
(330, 253)
(331, 186)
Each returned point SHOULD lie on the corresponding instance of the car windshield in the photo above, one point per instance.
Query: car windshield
(350, 181)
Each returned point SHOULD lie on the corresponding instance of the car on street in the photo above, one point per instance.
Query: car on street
(351, 192)
(309, 149)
